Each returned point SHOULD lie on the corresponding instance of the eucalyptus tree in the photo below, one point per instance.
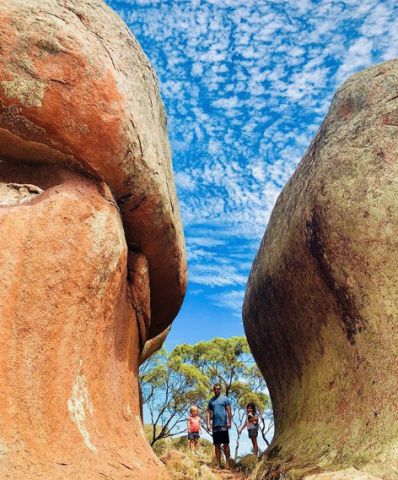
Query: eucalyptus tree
(171, 383)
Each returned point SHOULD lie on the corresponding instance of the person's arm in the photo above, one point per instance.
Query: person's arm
(242, 427)
(188, 426)
(209, 418)
(229, 415)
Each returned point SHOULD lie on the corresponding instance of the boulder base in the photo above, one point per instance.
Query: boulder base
(69, 342)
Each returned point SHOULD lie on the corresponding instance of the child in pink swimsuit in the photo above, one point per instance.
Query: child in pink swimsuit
(194, 428)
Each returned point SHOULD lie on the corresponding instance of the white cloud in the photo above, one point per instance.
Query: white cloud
(359, 55)
(205, 241)
(216, 275)
(233, 300)
(184, 181)
(230, 102)
(246, 85)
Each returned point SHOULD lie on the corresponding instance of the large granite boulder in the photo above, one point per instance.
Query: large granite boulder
(92, 256)
(321, 306)
(76, 89)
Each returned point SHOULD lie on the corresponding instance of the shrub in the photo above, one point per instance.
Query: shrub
(247, 464)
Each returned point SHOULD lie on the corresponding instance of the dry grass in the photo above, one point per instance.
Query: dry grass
(185, 466)
(181, 464)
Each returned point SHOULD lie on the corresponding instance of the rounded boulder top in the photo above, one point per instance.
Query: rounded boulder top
(77, 90)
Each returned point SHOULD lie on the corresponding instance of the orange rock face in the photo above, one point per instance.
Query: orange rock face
(76, 89)
(69, 339)
(92, 261)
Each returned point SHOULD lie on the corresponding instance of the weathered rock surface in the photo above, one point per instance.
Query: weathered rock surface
(76, 89)
(153, 345)
(321, 307)
(92, 261)
(349, 474)
(69, 339)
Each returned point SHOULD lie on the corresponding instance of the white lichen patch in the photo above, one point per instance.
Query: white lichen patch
(15, 193)
(139, 422)
(98, 229)
(29, 91)
(109, 242)
(3, 449)
(78, 405)
(129, 413)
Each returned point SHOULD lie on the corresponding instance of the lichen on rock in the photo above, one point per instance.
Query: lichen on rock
(27, 91)
(14, 193)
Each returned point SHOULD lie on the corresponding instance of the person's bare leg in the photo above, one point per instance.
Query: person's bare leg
(227, 456)
(190, 445)
(196, 441)
(217, 449)
(255, 446)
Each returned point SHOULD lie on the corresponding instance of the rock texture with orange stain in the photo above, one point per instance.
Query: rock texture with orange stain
(321, 306)
(92, 260)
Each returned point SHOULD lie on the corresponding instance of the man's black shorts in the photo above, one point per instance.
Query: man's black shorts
(221, 437)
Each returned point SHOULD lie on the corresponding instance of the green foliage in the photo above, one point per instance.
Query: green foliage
(220, 360)
(162, 445)
(167, 392)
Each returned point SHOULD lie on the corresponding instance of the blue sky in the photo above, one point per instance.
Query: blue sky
(246, 84)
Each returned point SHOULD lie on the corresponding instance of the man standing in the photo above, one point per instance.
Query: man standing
(219, 419)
